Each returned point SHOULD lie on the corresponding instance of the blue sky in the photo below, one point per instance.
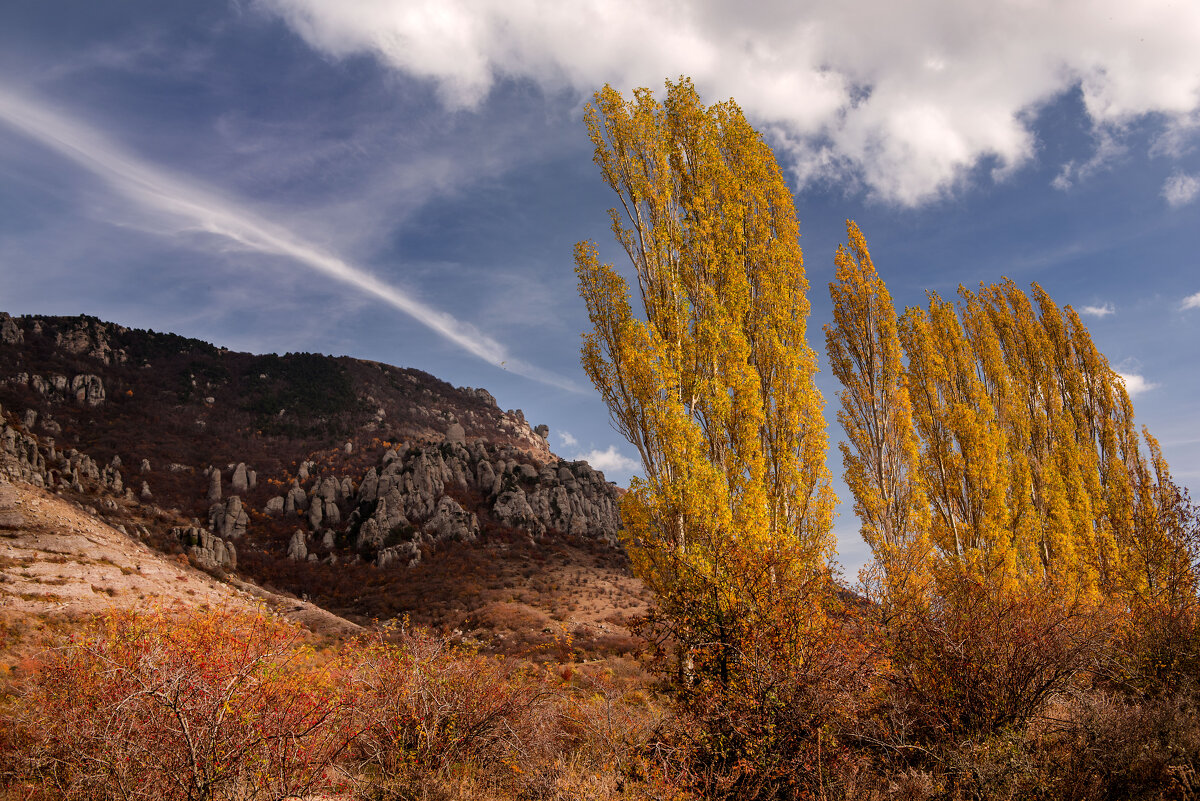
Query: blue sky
(404, 181)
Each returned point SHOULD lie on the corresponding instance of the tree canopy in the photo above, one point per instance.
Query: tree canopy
(711, 379)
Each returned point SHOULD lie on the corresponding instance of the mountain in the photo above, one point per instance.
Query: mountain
(375, 491)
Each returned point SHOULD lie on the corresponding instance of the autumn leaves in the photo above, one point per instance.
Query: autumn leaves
(986, 440)
(1032, 559)
(1001, 446)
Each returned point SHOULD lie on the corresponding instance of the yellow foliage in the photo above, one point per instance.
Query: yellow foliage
(1029, 475)
(712, 381)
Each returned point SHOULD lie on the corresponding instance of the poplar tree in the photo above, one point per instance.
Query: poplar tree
(711, 379)
(1006, 439)
(882, 455)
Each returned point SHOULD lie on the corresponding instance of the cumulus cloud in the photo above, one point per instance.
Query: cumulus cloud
(906, 98)
(1191, 302)
(1098, 311)
(567, 439)
(1181, 189)
(188, 206)
(610, 460)
(1136, 384)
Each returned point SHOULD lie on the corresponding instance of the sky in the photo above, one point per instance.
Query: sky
(404, 180)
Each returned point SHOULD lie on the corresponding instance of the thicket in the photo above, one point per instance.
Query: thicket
(227, 704)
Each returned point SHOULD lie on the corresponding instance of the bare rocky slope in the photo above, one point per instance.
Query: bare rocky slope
(373, 490)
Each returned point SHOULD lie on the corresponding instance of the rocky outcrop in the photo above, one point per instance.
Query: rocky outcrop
(24, 457)
(298, 546)
(88, 389)
(296, 500)
(240, 481)
(90, 337)
(206, 549)
(228, 519)
(411, 497)
(10, 332)
(451, 522)
(84, 388)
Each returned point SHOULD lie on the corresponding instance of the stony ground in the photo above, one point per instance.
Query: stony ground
(59, 561)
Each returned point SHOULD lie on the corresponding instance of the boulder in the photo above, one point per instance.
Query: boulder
(228, 519)
(240, 481)
(297, 547)
(451, 522)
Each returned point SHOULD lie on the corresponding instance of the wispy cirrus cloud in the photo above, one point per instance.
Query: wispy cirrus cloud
(1191, 302)
(192, 207)
(903, 98)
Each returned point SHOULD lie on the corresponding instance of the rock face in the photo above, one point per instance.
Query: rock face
(298, 547)
(85, 388)
(10, 332)
(411, 498)
(206, 549)
(228, 519)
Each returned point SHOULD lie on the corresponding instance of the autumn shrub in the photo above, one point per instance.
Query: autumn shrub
(429, 714)
(978, 662)
(202, 705)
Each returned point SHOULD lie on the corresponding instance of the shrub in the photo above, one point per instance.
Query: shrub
(428, 714)
(198, 706)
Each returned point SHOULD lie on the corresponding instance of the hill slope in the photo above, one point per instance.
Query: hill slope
(373, 490)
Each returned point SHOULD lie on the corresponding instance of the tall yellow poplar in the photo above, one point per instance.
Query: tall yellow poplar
(882, 455)
(1029, 464)
(712, 378)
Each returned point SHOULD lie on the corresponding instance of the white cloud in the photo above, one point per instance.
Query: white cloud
(906, 98)
(1098, 311)
(1191, 302)
(1181, 189)
(610, 460)
(189, 207)
(1136, 384)
(567, 439)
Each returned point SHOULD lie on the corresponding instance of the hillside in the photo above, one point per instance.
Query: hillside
(374, 491)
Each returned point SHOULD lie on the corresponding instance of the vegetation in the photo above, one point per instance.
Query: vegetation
(233, 705)
(714, 386)
(1029, 626)
(1030, 556)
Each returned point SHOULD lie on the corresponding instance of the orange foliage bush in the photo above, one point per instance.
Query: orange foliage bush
(211, 705)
